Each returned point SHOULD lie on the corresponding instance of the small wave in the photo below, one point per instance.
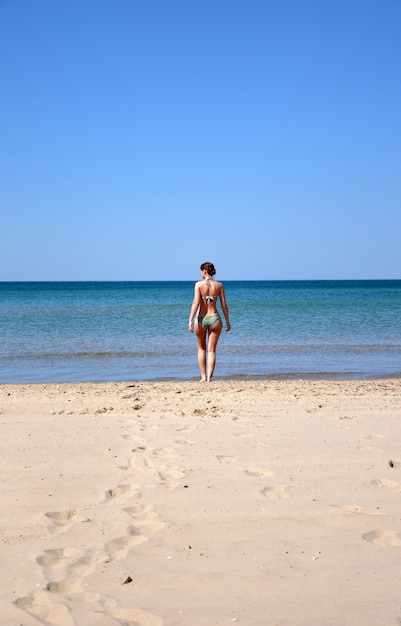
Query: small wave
(79, 355)
(297, 376)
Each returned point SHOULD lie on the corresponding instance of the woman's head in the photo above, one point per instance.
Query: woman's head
(209, 268)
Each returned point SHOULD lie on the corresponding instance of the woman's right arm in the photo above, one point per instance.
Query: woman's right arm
(194, 307)
(225, 308)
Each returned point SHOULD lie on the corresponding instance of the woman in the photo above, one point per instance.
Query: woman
(204, 318)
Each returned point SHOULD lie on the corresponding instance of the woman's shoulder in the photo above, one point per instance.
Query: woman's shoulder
(215, 284)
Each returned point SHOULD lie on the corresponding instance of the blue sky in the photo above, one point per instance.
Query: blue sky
(140, 138)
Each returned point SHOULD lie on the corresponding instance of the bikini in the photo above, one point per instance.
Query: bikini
(208, 321)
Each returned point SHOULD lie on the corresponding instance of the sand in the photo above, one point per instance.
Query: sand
(260, 503)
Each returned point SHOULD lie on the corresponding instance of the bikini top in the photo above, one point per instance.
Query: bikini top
(209, 298)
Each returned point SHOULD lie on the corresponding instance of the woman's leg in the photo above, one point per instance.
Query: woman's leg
(214, 334)
(201, 336)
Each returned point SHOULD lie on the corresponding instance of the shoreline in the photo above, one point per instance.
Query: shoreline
(307, 376)
(222, 502)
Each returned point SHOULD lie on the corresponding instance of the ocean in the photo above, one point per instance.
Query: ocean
(137, 331)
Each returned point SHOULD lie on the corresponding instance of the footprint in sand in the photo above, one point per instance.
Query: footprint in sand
(383, 538)
(118, 493)
(255, 472)
(279, 492)
(65, 562)
(390, 484)
(185, 442)
(170, 479)
(38, 605)
(145, 518)
(61, 518)
(120, 545)
(141, 512)
(68, 558)
(71, 563)
(226, 459)
(355, 508)
(65, 569)
(54, 557)
(61, 521)
(131, 466)
(159, 459)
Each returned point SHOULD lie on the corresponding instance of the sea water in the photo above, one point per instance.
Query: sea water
(115, 331)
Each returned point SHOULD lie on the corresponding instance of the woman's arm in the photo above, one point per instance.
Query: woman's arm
(195, 306)
(225, 308)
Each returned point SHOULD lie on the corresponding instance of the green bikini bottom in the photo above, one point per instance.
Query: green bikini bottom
(208, 321)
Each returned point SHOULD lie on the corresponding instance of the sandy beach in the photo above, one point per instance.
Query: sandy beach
(260, 503)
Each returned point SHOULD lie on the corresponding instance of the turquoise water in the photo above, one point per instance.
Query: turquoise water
(111, 331)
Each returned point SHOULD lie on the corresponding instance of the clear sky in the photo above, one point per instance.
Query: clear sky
(140, 138)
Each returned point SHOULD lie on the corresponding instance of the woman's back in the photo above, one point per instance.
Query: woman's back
(210, 291)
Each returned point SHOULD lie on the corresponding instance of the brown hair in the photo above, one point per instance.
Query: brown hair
(209, 267)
